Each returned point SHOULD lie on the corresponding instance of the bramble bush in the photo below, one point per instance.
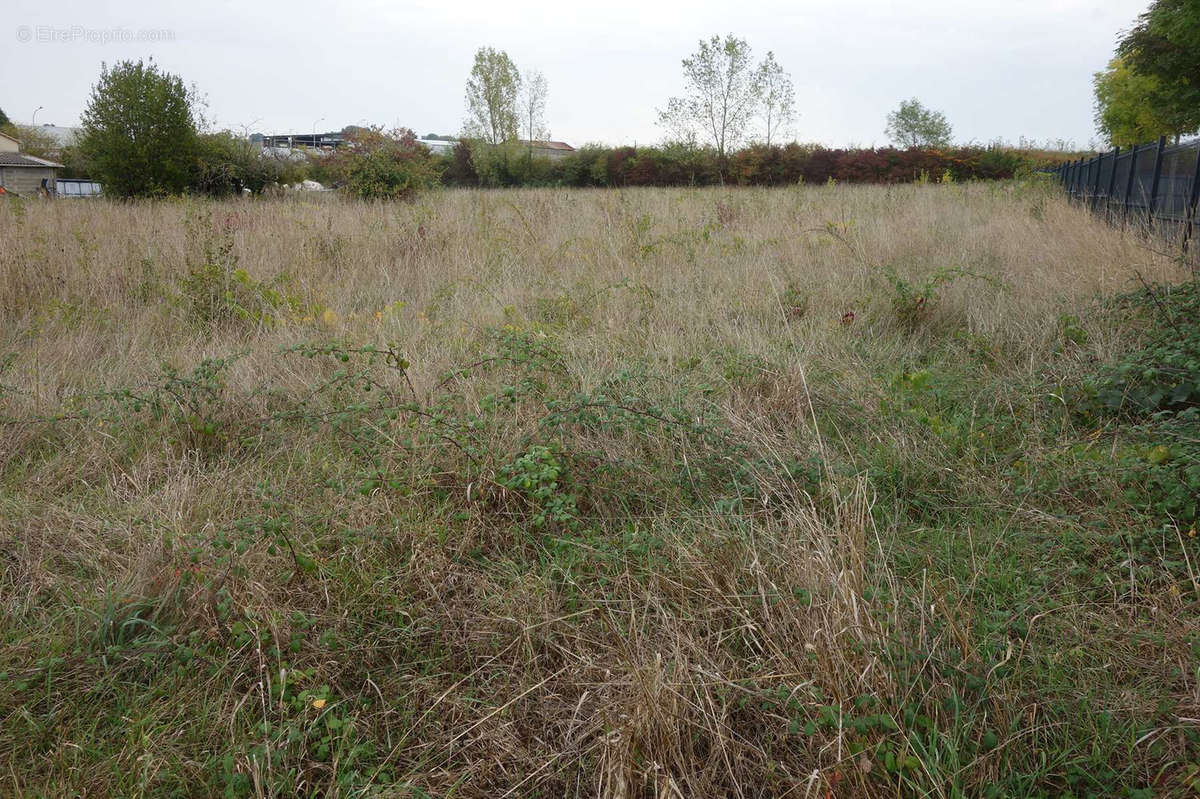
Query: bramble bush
(383, 165)
(1156, 388)
(1164, 373)
(226, 164)
(217, 291)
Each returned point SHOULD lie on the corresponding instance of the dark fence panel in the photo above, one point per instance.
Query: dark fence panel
(1153, 186)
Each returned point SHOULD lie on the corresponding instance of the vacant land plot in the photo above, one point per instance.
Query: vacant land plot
(820, 491)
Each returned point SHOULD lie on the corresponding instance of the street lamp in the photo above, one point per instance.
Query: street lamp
(33, 122)
(248, 129)
(314, 131)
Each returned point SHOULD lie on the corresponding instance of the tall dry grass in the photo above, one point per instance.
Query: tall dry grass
(670, 274)
(669, 653)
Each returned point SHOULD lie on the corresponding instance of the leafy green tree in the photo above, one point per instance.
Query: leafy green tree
(914, 125)
(1130, 108)
(140, 131)
(492, 92)
(4, 120)
(721, 95)
(1165, 45)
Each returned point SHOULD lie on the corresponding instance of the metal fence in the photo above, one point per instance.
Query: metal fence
(1153, 186)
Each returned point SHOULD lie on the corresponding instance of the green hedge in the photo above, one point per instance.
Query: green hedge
(483, 165)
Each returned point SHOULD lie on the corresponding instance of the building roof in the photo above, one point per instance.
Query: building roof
(10, 138)
(550, 145)
(17, 159)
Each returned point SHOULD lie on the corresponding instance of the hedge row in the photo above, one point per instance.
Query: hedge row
(484, 165)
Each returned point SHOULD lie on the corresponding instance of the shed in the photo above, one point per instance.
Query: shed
(26, 175)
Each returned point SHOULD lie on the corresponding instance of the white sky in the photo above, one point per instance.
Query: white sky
(996, 69)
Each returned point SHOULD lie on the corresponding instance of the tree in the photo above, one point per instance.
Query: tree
(140, 131)
(1130, 108)
(914, 125)
(4, 120)
(384, 165)
(778, 97)
(492, 91)
(720, 97)
(1165, 45)
(533, 107)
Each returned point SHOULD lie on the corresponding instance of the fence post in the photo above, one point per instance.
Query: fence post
(1112, 182)
(1192, 202)
(1098, 163)
(1129, 183)
(1158, 159)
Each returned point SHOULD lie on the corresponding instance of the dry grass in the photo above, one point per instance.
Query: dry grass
(271, 582)
(650, 272)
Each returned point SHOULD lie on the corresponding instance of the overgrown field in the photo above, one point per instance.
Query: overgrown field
(821, 491)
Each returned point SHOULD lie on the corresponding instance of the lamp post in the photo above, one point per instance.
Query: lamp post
(248, 129)
(33, 122)
(314, 131)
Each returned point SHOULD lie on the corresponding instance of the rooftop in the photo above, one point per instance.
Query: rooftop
(17, 159)
(550, 145)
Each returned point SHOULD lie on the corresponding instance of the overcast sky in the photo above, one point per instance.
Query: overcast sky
(996, 69)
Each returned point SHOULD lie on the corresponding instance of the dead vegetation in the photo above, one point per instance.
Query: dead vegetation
(552, 493)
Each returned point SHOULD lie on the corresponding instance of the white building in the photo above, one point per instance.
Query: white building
(438, 146)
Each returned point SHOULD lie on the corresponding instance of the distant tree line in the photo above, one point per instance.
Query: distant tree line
(728, 101)
(754, 165)
(144, 134)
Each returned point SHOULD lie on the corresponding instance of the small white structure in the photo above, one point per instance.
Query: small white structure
(289, 154)
(438, 146)
(307, 185)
